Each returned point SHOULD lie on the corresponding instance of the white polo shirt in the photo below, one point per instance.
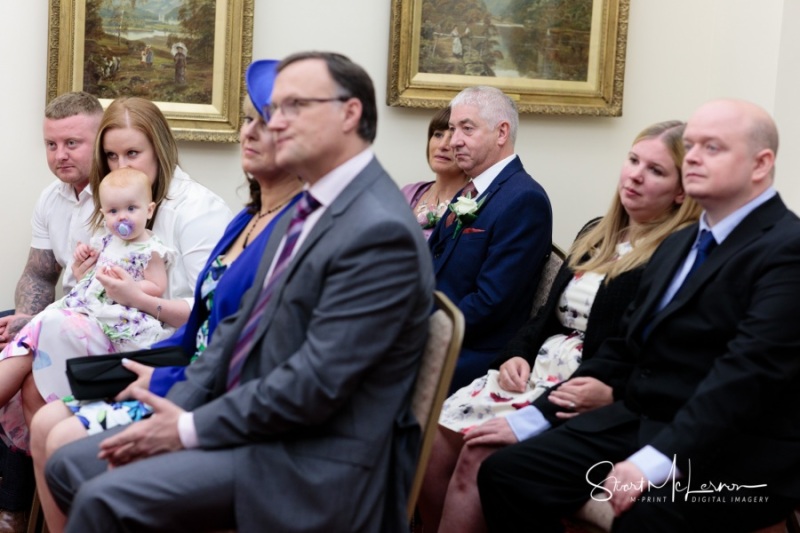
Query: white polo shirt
(60, 221)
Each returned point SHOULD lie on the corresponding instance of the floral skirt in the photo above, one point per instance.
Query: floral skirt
(53, 336)
(484, 398)
(99, 416)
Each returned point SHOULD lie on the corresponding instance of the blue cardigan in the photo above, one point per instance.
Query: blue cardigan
(234, 282)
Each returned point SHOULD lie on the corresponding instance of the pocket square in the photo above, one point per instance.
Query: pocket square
(474, 230)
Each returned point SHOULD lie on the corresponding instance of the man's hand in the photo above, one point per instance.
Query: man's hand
(514, 375)
(625, 483)
(494, 432)
(155, 435)
(143, 372)
(10, 326)
(579, 395)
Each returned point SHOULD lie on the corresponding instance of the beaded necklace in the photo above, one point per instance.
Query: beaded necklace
(260, 216)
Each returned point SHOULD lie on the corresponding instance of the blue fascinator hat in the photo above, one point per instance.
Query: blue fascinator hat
(260, 78)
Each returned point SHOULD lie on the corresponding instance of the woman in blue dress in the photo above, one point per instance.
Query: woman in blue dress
(228, 273)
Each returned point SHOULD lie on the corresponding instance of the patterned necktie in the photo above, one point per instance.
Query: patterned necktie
(705, 245)
(307, 205)
(470, 190)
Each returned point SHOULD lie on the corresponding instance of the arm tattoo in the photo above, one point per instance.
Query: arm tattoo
(15, 325)
(36, 288)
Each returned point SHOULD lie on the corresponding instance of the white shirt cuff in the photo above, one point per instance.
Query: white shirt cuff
(527, 422)
(187, 431)
(655, 466)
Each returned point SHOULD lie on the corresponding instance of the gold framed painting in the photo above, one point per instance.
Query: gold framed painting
(562, 57)
(187, 56)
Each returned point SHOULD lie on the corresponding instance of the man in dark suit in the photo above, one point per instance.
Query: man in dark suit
(704, 434)
(488, 259)
(297, 417)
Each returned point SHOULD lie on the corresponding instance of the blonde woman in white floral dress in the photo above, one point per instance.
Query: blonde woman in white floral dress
(584, 307)
(556, 360)
(126, 204)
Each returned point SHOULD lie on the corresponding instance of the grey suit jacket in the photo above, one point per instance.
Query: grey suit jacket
(321, 423)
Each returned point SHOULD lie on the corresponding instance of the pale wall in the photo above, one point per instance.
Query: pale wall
(680, 54)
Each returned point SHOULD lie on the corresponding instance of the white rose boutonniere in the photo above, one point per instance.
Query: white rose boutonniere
(465, 208)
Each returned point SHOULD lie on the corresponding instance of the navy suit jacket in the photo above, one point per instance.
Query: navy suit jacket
(491, 269)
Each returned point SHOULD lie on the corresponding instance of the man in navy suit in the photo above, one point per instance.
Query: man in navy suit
(488, 258)
(704, 434)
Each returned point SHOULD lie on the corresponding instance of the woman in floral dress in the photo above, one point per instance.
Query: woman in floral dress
(585, 306)
(121, 246)
(227, 275)
(188, 218)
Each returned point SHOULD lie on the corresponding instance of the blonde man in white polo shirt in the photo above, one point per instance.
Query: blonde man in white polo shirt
(62, 212)
(59, 223)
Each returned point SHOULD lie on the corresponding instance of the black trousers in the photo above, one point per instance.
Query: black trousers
(532, 485)
(16, 467)
(16, 489)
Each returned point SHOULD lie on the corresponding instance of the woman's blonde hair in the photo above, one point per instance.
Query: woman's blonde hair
(599, 243)
(142, 115)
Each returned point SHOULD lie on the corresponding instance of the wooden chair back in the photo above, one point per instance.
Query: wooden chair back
(549, 271)
(445, 334)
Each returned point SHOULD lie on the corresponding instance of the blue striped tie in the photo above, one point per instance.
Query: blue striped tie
(307, 205)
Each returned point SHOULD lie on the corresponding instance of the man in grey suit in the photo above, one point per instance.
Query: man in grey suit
(297, 416)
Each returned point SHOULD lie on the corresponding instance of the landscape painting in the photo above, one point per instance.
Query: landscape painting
(551, 56)
(187, 56)
(535, 39)
(162, 50)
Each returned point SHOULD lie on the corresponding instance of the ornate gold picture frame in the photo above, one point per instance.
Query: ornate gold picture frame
(188, 57)
(562, 57)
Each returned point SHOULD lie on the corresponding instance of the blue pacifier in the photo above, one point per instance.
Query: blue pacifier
(123, 228)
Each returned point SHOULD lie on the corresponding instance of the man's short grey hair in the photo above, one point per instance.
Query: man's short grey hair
(494, 105)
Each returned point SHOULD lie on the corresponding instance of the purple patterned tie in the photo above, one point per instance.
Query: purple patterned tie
(307, 205)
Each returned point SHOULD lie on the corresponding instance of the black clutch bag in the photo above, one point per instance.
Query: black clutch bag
(103, 376)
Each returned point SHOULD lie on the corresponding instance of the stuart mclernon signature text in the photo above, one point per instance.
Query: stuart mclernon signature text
(708, 492)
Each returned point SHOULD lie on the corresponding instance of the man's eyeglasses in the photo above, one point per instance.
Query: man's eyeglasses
(291, 107)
